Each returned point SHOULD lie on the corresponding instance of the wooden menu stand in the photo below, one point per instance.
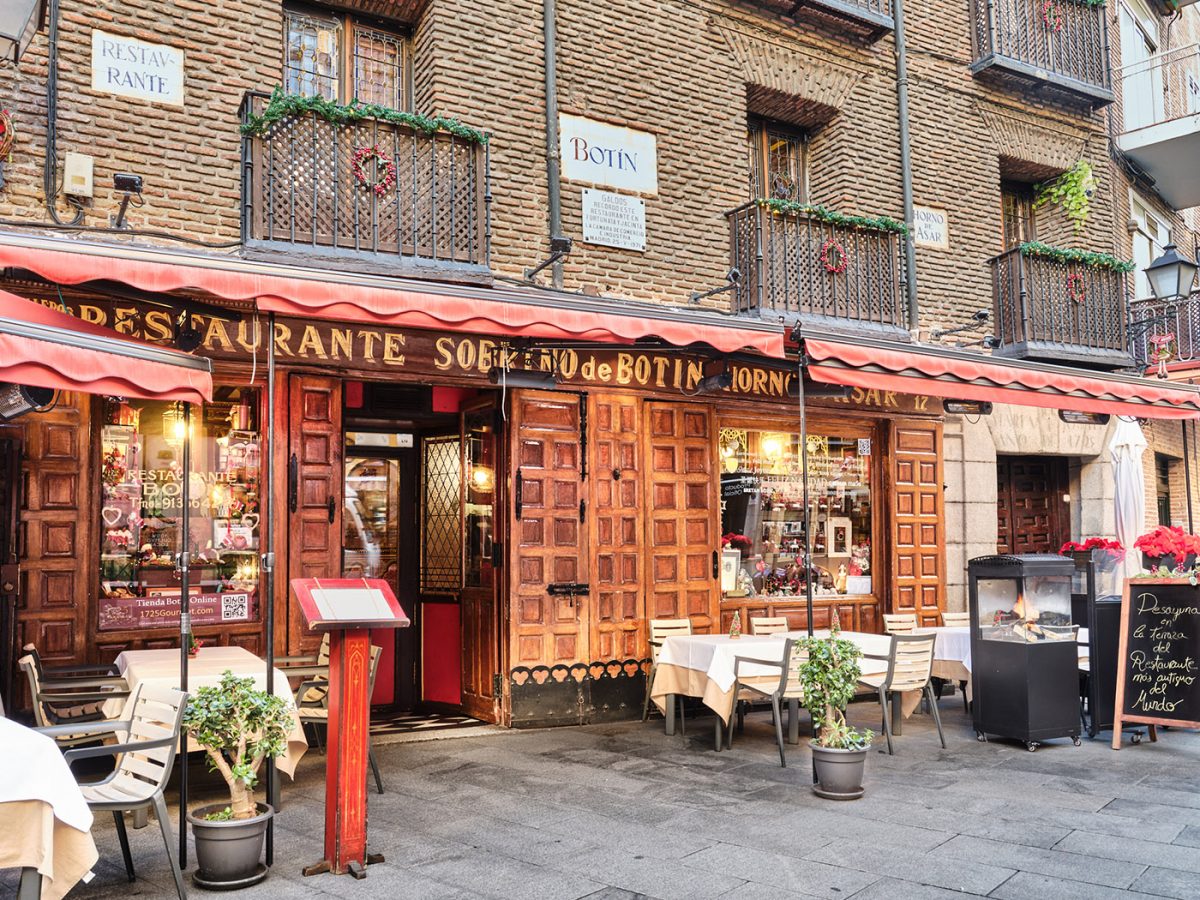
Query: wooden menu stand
(347, 609)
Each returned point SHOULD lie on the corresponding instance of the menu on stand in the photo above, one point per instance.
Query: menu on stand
(1158, 663)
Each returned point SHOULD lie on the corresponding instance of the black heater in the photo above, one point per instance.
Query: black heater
(1024, 658)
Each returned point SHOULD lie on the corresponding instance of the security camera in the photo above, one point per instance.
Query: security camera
(127, 183)
(982, 315)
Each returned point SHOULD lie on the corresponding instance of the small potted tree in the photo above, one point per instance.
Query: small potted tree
(829, 678)
(239, 728)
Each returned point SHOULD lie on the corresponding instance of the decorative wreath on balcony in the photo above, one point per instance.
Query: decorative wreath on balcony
(7, 134)
(358, 165)
(1076, 287)
(833, 257)
(1052, 16)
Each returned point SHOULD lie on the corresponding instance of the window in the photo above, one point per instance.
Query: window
(141, 451)
(341, 58)
(1162, 482)
(1141, 79)
(1150, 234)
(1016, 201)
(778, 162)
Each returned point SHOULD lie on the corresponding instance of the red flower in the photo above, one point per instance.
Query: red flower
(737, 541)
(1166, 540)
(1095, 543)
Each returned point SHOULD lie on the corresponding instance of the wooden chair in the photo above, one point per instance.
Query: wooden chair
(660, 630)
(146, 743)
(776, 690)
(909, 663)
(768, 624)
(956, 619)
(899, 623)
(316, 714)
(310, 667)
(66, 702)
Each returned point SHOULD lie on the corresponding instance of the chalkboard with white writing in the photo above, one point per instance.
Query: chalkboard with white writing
(1158, 663)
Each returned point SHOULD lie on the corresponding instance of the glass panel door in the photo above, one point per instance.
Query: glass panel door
(370, 540)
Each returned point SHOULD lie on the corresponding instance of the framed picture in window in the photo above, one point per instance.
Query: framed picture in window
(837, 536)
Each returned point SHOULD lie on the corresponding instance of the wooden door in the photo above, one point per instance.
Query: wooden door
(1031, 514)
(918, 521)
(480, 622)
(314, 491)
(548, 530)
(618, 616)
(10, 579)
(683, 514)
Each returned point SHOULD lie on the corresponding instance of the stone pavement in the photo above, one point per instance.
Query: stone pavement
(609, 812)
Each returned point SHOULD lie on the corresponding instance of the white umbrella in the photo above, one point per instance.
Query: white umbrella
(1128, 444)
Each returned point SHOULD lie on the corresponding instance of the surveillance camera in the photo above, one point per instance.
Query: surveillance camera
(127, 183)
(982, 315)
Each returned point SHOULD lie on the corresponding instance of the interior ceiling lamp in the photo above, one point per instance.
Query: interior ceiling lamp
(521, 378)
(17, 399)
(968, 407)
(1074, 417)
(1171, 275)
(19, 22)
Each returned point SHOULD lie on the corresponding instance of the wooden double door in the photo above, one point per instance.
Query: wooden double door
(1032, 516)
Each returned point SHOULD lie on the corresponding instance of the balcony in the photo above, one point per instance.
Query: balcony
(804, 264)
(1063, 306)
(1176, 325)
(872, 17)
(394, 196)
(1059, 46)
(1160, 98)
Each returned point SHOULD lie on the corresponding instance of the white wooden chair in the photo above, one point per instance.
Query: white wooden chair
(899, 623)
(768, 624)
(775, 689)
(660, 630)
(145, 749)
(956, 619)
(310, 667)
(910, 661)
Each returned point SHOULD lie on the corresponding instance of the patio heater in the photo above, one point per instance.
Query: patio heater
(1024, 657)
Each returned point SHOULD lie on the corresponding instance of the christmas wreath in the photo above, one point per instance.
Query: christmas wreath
(1076, 288)
(380, 185)
(7, 134)
(833, 257)
(1052, 16)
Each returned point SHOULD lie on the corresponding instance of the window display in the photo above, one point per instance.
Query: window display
(141, 453)
(762, 513)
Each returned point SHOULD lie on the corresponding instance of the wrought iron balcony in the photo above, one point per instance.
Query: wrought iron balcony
(874, 17)
(1060, 45)
(803, 264)
(1172, 327)
(1060, 306)
(378, 196)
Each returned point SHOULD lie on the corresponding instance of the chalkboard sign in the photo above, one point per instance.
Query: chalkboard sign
(1158, 663)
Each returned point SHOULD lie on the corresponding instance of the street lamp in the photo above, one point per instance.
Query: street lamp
(1171, 275)
(19, 22)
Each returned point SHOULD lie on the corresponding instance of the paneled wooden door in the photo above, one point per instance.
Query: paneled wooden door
(548, 529)
(918, 521)
(314, 491)
(479, 600)
(10, 578)
(1031, 514)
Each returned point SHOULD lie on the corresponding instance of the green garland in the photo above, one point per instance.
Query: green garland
(821, 214)
(283, 106)
(1082, 257)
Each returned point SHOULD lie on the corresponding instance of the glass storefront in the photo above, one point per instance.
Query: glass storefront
(141, 484)
(762, 513)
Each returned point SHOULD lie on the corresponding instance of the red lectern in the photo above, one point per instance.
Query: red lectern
(347, 608)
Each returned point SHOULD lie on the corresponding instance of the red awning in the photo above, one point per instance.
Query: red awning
(44, 347)
(964, 376)
(294, 291)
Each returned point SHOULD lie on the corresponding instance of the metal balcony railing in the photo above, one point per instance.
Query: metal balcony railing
(778, 257)
(388, 195)
(1056, 311)
(1173, 326)
(1161, 88)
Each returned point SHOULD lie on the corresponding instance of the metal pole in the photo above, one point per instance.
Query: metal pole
(267, 595)
(553, 177)
(906, 176)
(1187, 475)
(185, 620)
(808, 567)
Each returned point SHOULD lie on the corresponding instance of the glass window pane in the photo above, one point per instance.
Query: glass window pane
(441, 524)
(784, 159)
(370, 522)
(379, 68)
(481, 499)
(310, 64)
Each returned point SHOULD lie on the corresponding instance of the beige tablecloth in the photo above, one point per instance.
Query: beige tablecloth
(161, 668)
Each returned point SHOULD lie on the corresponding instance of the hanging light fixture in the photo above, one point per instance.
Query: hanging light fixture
(19, 22)
(173, 428)
(1171, 275)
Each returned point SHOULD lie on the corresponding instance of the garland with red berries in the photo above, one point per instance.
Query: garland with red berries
(1052, 16)
(1076, 287)
(358, 166)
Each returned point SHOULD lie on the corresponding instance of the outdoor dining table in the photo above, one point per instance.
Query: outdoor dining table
(45, 824)
(161, 668)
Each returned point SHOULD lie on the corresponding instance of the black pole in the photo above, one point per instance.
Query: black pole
(1187, 475)
(808, 566)
(185, 621)
(267, 492)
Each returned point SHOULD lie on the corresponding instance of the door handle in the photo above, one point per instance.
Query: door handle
(332, 510)
(716, 565)
(293, 482)
(517, 490)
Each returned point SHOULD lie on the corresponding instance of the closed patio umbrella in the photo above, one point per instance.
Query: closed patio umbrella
(1128, 444)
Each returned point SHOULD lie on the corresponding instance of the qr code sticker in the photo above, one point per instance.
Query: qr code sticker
(233, 607)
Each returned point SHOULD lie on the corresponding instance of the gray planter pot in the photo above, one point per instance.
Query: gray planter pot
(229, 854)
(839, 772)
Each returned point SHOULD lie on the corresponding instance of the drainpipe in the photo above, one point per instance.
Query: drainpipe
(910, 254)
(553, 178)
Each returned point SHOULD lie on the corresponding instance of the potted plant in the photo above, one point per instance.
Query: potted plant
(238, 727)
(1104, 552)
(829, 677)
(1168, 547)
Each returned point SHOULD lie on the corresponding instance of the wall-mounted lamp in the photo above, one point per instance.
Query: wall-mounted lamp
(711, 384)
(815, 391)
(19, 22)
(1074, 417)
(128, 185)
(18, 399)
(521, 378)
(967, 407)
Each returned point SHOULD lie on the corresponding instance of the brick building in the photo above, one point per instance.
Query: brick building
(677, 122)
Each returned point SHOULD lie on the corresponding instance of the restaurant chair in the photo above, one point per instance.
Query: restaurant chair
(899, 623)
(63, 703)
(776, 689)
(660, 630)
(768, 624)
(956, 619)
(146, 744)
(56, 673)
(317, 714)
(910, 662)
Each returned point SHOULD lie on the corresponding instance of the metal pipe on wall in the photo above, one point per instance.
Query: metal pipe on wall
(553, 174)
(267, 568)
(906, 181)
(185, 618)
(1187, 475)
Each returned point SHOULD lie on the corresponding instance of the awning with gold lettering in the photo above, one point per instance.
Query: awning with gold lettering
(347, 296)
(959, 375)
(47, 348)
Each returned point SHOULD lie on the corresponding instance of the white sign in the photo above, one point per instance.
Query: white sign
(128, 67)
(606, 154)
(614, 220)
(931, 227)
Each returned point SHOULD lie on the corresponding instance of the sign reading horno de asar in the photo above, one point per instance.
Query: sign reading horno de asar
(608, 155)
(131, 68)
(931, 227)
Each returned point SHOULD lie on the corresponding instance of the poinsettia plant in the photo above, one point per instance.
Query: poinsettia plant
(1114, 548)
(737, 542)
(1169, 540)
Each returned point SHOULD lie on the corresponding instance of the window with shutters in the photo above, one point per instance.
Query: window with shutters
(778, 158)
(342, 58)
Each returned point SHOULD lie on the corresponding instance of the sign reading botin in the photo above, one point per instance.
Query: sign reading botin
(608, 155)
